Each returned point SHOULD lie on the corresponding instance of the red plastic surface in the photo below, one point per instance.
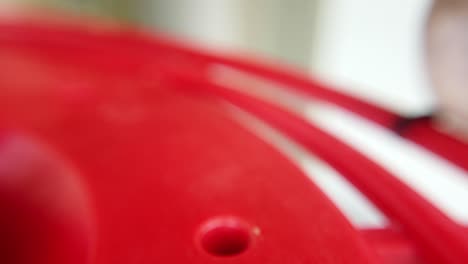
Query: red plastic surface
(166, 176)
(135, 49)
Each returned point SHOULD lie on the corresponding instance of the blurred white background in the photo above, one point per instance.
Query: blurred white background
(370, 48)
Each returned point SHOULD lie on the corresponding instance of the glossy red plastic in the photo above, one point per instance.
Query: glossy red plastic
(115, 148)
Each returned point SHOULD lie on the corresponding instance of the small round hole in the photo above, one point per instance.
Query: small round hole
(225, 237)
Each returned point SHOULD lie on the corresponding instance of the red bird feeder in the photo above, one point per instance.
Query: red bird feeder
(117, 147)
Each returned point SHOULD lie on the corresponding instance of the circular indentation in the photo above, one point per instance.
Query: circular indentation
(225, 237)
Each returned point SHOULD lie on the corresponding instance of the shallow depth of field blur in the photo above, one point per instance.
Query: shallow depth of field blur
(370, 48)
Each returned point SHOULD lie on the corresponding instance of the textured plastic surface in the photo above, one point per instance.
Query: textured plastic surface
(117, 128)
